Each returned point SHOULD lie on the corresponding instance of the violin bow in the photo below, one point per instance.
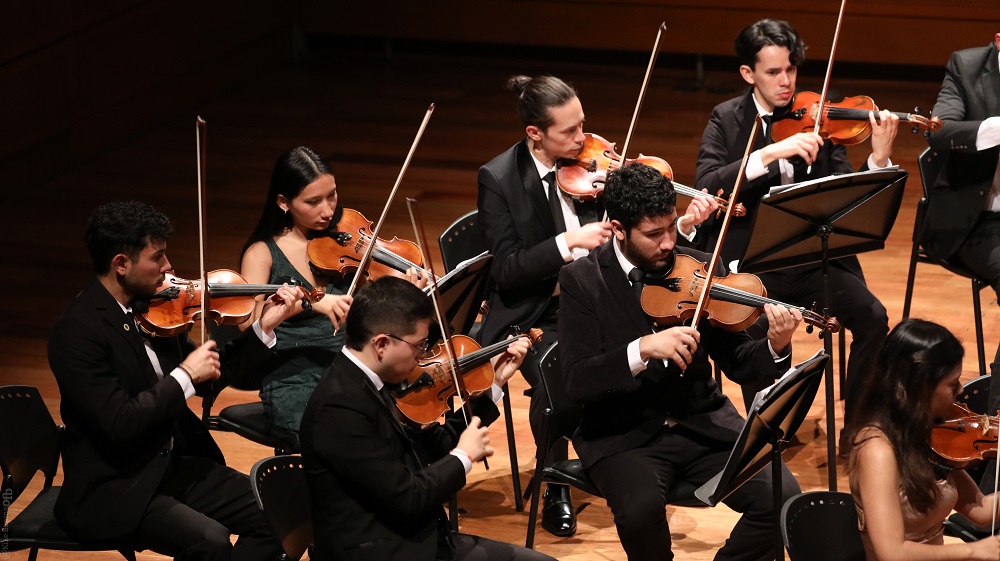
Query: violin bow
(201, 137)
(706, 289)
(366, 257)
(829, 72)
(642, 96)
(456, 372)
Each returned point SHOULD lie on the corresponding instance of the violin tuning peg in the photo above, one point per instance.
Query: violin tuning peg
(916, 110)
(915, 130)
(809, 329)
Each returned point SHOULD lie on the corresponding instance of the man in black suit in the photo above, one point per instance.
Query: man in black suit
(376, 486)
(532, 230)
(653, 413)
(139, 465)
(770, 53)
(963, 219)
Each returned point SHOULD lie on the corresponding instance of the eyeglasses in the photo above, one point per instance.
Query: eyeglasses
(423, 348)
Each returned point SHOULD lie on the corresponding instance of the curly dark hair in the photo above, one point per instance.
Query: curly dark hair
(637, 191)
(535, 96)
(123, 227)
(760, 34)
(387, 305)
(896, 399)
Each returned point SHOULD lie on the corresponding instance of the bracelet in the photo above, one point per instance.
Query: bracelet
(187, 370)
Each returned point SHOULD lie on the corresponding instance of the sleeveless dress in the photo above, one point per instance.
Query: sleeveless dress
(305, 348)
(926, 527)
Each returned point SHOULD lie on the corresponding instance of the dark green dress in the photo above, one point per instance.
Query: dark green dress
(305, 348)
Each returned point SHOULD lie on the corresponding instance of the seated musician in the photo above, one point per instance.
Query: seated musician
(770, 53)
(653, 414)
(300, 204)
(903, 494)
(140, 468)
(376, 485)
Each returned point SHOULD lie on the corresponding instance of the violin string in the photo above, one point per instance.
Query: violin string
(387, 257)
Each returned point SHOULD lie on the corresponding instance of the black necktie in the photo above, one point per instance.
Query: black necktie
(555, 202)
(768, 120)
(636, 276)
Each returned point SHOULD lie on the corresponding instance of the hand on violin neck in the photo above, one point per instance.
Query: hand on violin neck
(805, 145)
(507, 363)
(883, 135)
(335, 307)
(589, 236)
(282, 305)
(697, 212)
(475, 440)
(676, 344)
(417, 278)
(781, 325)
(203, 365)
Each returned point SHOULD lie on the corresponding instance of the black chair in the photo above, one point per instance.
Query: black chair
(571, 472)
(279, 485)
(930, 164)
(246, 419)
(460, 241)
(975, 395)
(821, 526)
(29, 443)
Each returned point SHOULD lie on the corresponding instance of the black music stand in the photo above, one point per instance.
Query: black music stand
(777, 412)
(819, 220)
(462, 291)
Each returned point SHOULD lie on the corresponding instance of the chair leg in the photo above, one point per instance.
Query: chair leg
(32, 554)
(977, 309)
(842, 357)
(128, 554)
(453, 511)
(515, 471)
(536, 480)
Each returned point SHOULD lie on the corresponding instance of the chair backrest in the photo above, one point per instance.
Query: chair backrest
(821, 526)
(930, 164)
(29, 439)
(975, 395)
(279, 485)
(461, 240)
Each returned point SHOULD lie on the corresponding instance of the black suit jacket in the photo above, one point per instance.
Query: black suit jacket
(598, 317)
(120, 417)
(375, 493)
(969, 94)
(719, 156)
(518, 228)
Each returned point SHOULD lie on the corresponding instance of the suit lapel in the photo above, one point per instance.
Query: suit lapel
(990, 83)
(533, 187)
(111, 313)
(621, 289)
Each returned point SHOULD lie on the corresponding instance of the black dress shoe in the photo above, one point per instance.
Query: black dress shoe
(558, 516)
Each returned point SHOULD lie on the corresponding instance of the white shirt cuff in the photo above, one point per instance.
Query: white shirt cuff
(187, 386)
(871, 162)
(464, 458)
(564, 250)
(755, 167)
(635, 362)
(496, 393)
(688, 237)
(774, 355)
(269, 339)
(989, 133)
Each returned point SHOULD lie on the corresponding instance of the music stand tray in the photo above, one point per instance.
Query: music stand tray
(462, 291)
(777, 412)
(854, 211)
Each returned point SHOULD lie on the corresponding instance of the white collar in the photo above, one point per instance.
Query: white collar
(368, 371)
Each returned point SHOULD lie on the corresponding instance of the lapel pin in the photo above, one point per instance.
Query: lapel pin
(125, 325)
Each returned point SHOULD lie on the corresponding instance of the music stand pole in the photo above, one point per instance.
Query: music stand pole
(824, 232)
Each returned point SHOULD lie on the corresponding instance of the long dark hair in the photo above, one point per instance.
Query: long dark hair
(916, 357)
(294, 170)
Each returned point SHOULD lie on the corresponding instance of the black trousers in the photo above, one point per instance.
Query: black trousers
(636, 482)
(854, 306)
(980, 253)
(552, 393)
(198, 505)
(475, 548)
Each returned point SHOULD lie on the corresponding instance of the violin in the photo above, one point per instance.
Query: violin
(423, 397)
(844, 122)
(966, 438)
(735, 300)
(583, 177)
(177, 303)
(340, 252)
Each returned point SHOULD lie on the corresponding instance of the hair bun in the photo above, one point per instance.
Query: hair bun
(518, 83)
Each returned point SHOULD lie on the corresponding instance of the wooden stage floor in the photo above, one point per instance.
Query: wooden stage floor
(362, 112)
